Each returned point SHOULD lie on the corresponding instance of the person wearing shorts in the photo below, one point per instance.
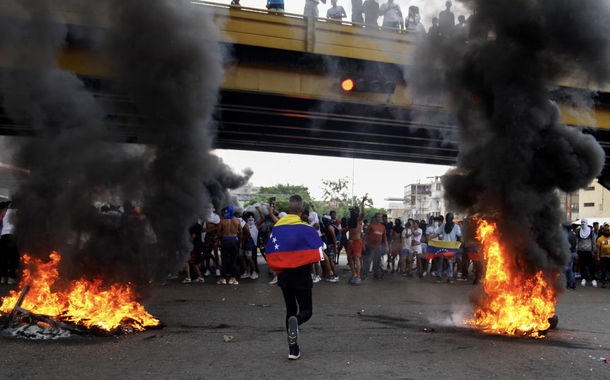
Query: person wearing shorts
(211, 242)
(415, 249)
(329, 237)
(195, 259)
(354, 248)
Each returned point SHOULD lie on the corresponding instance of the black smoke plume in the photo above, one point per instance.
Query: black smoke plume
(166, 59)
(514, 150)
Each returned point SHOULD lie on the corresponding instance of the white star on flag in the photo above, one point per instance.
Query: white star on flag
(271, 235)
(277, 247)
(274, 240)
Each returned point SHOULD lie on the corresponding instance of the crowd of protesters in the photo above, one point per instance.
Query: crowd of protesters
(227, 245)
(373, 249)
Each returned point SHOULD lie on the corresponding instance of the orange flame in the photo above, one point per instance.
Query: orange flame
(516, 303)
(84, 302)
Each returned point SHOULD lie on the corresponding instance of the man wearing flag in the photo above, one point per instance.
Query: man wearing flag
(447, 248)
(294, 245)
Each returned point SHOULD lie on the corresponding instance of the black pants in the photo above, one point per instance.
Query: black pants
(229, 251)
(255, 258)
(587, 267)
(605, 262)
(303, 298)
(9, 255)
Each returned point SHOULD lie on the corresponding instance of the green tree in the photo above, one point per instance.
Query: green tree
(335, 192)
(335, 195)
(369, 209)
(282, 193)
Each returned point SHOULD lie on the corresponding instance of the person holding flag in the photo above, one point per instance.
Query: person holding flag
(294, 245)
(447, 248)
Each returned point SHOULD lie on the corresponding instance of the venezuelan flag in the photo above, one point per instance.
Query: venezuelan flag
(474, 254)
(439, 247)
(292, 244)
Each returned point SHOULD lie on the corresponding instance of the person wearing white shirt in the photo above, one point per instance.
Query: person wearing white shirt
(449, 231)
(415, 249)
(9, 253)
(311, 7)
(392, 15)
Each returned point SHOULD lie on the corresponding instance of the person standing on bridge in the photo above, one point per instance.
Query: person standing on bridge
(311, 8)
(275, 5)
(336, 12)
(392, 15)
(357, 11)
(447, 21)
(371, 12)
(293, 246)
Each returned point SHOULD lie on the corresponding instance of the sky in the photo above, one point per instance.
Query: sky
(427, 8)
(380, 179)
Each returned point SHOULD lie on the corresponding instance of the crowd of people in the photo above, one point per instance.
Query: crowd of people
(373, 250)
(370, 11)
(590, 249)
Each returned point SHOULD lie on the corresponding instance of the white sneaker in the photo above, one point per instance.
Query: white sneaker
(274, 281)
(11, 281)
(200, 279)
(576, 275)
(186, 281)
(594, 283)
(207, 273)
(218, 272)
(317, 279)
(3, 280)
(244, 275)
(254, 276)
(583, 282)
(334, 279)
(424, 274)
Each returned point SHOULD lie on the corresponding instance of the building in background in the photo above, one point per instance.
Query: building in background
(395, 207)
(8, 180)
(424, 200)
(246, 193)
(570, 204)
(593, 202)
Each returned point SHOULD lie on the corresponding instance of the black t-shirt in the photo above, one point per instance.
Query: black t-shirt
(195, 229)
(297, 278)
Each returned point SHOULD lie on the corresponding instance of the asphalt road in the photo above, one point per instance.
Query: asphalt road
(371, 331)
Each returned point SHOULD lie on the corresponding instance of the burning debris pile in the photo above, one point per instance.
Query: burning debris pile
(515, 304)
(74, 166)
(515, 151)
(81, 306)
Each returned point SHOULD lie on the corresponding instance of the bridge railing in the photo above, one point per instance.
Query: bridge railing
(319, 35)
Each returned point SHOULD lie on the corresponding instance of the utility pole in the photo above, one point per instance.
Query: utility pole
(420, 200)
(353, 171)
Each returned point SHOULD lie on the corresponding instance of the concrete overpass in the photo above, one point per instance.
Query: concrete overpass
(282, 90)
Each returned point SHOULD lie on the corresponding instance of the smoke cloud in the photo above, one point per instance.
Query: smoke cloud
(167, 61)
(514, 149)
